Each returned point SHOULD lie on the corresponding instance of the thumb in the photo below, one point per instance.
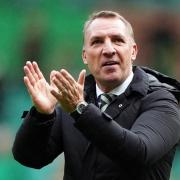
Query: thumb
(82, 76)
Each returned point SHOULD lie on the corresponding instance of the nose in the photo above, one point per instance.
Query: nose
(108, 49)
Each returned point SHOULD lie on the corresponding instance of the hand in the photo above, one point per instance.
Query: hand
(70, 92)
(39, 89)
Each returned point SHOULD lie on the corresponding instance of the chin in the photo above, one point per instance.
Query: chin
(112, 77)
(112, 81)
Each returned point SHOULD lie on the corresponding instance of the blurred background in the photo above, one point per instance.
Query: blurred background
(50, 32)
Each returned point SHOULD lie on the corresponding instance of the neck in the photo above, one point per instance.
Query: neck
(108, 87)
(120, 87)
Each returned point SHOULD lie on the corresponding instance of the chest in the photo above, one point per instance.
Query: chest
(124, 110)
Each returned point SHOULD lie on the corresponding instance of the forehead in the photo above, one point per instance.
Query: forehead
(104, 26)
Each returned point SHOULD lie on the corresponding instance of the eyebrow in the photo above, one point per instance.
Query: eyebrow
(118, 36)
(101, 36)
(95, 37)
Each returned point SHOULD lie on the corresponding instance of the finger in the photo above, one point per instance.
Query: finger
(62, 98)
(58, 84)
(37, 70)
(82, 76)
(56, 94)
(29, 75)
(29, 86)
(64, 81)
(68, 76)
(31, 69)
(52, 75)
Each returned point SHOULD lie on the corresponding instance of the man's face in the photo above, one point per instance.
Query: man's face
(108, 51)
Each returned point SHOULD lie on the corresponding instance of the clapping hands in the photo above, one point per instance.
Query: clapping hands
(63, 89)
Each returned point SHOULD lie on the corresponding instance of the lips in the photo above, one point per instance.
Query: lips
(110, 63)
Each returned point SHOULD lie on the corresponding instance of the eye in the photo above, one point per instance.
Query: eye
(118, 40)
(96, 42)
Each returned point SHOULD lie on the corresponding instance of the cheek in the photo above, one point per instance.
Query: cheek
(127, 56)
(128, 62)
(92, 58)
(93, 67)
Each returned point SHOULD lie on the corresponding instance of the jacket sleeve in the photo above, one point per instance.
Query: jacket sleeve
(35, 143)
(154, 133)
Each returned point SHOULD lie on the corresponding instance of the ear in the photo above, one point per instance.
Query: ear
(84, 56)
(134, 51)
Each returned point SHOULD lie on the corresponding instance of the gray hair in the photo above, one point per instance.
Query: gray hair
(108, 14)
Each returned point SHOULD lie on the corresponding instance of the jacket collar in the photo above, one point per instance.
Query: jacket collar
(158, 80)
(138, 88)
(139, 84)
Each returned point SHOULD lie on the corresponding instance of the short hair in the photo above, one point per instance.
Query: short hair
(108, 14)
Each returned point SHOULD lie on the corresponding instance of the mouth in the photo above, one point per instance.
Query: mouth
(110, 63)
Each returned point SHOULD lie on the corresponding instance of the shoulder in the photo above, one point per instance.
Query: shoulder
(160, 99)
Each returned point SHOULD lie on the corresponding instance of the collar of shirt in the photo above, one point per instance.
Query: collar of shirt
(119, 89)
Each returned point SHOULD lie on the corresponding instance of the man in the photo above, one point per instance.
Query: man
(120, 122)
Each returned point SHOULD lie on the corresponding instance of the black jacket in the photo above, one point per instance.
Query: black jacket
(134, 139)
